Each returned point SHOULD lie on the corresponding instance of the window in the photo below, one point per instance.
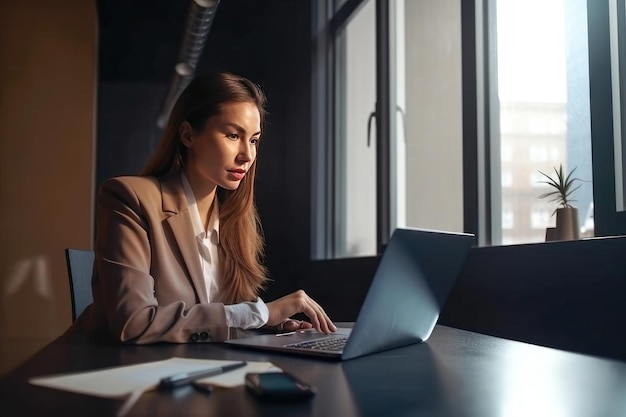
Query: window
(538, 154)
(537, 180)
(355, 135)
(506, 150)
(540, 81)
(607, 74)
(508, 219)
(440, 114)
(507, 179)
(540, 218)
(393, 138)
(426, 117)
(344, 171)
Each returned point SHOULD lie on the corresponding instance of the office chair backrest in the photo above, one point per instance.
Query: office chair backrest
(79, 269)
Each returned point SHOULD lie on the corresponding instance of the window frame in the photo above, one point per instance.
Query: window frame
(608, 220)
(327, 24)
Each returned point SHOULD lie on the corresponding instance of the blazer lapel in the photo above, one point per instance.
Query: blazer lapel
(175, 202)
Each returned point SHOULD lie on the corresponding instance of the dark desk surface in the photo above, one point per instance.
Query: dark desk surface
(456, 373)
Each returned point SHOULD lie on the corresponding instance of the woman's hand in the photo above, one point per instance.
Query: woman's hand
(299, 302)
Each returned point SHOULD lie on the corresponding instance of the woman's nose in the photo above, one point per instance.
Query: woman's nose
(246, 151)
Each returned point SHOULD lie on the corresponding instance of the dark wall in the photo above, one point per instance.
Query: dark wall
(339, 285)
(566, 295)
(265, 40)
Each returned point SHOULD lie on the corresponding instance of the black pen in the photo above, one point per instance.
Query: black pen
(186, 378)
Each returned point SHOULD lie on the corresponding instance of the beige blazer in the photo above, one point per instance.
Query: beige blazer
(148, 284)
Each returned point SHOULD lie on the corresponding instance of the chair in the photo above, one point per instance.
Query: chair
(79, 269)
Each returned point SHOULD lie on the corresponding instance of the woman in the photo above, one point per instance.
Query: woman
(178, 249)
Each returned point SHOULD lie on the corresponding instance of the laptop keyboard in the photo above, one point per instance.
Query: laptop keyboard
(329, 344)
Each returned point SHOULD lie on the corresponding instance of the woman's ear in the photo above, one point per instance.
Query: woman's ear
(185, 132)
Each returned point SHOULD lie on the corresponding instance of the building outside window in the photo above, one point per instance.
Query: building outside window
(542, 83)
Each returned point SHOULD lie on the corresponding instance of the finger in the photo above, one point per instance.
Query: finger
(313, 311)
(323, 317)
(326, 324)
(291, 325)
(329, 323)
(310, 312)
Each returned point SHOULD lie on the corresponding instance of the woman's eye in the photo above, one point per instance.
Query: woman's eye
(232, 136)
(254, 141)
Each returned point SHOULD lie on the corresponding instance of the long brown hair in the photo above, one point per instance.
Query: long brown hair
(241, 242)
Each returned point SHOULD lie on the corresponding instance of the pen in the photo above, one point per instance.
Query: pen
(174, 381)
(185, 378)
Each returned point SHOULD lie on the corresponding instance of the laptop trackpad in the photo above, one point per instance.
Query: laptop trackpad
(310, 334)
(284, 339)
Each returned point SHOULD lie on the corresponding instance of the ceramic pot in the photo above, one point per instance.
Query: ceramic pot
(567, 224)
(550, 234)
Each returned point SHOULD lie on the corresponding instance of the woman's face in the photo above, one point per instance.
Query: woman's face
(222, 153)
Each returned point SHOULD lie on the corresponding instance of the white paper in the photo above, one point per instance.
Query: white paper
(122, 381)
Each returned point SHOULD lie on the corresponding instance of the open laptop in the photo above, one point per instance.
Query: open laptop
(413, 279)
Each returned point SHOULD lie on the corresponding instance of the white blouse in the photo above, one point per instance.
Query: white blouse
(246, 315)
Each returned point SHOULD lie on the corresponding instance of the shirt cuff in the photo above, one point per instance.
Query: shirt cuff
(248, 315)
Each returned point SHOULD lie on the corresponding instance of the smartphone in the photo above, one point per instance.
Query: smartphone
(278, 387)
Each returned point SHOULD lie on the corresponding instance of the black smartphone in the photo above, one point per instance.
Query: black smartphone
(278, 387)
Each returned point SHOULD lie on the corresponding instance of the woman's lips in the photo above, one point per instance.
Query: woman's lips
(237, 174)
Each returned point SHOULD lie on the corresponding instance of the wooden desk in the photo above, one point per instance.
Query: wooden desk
(457, 373)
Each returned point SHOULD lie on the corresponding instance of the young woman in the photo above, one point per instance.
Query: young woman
(178, 249)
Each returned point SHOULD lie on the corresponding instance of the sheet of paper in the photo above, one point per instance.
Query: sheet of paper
(121, 381)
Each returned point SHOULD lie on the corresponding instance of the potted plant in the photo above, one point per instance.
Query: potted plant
(566, 215)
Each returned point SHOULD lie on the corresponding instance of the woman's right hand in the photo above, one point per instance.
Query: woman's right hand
(299, 302)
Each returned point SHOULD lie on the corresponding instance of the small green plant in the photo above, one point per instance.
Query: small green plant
(564, 187)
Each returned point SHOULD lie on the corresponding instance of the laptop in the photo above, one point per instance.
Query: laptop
(414, 277)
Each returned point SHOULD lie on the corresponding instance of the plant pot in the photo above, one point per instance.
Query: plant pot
(550, 234)
(567, 224)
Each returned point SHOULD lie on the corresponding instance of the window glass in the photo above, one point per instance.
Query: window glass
(355, 136)
(426, 115)
(617, 33)
(540, 218)
(507, 179)
(542, 82)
